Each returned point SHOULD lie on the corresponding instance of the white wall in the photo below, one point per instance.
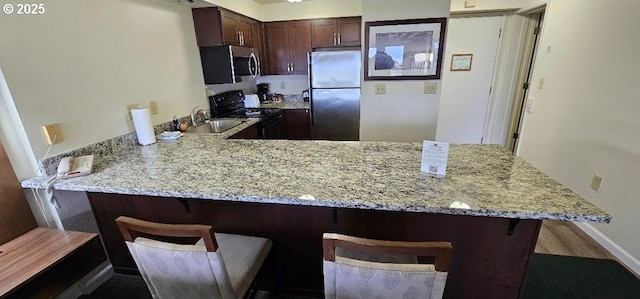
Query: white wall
(405, 113)
(484, 5)
(585, 120)
(82, 62)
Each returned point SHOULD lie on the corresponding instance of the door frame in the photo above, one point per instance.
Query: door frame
(535, 19)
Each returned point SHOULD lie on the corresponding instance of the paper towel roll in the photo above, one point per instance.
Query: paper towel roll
(144, 127)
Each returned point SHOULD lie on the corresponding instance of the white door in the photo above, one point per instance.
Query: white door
(465, 95)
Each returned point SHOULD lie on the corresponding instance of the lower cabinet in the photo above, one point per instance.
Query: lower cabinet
(251, 132)
(297, 124)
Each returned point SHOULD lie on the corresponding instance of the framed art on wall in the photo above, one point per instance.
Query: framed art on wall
(461, 62)
(404, 49)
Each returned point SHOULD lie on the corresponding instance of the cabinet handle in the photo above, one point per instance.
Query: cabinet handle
(334, 39)
(339, 39)
(288, 68)
(292, 68)
(242, 37)
(239, 38)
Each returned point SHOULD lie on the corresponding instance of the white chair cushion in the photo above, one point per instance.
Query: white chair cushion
(243, 256)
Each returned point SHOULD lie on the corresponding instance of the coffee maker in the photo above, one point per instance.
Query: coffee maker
(263, 93)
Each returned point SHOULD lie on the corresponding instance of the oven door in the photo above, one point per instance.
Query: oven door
(271, 127)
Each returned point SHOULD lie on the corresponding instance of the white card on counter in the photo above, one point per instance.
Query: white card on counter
(434, 158)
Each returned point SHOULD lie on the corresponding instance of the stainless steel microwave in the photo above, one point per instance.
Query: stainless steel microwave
(228, 64)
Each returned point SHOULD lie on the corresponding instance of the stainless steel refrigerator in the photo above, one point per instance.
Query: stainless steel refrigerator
(334, 80)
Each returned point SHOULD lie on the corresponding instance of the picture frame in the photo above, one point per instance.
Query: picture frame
(404, 49)
(461, 62)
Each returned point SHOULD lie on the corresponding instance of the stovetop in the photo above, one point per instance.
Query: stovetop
(231, 104)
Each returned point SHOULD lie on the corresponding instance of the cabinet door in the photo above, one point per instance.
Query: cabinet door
(229, 28)
(297, 124)
(251, 132)
(349, 31)
(258, 43)
(323, 33)
(206, 22)
(299, 45)
(243, 25)
(277, 35)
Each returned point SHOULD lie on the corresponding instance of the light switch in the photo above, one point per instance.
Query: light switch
(381, 88)
(530, 103)
(596, 182)
(430, 87)
(154, 107)
(541, 83)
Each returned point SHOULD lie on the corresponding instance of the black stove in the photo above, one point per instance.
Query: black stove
(231, 104)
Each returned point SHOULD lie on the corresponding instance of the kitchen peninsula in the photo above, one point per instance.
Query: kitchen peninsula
(293, 191)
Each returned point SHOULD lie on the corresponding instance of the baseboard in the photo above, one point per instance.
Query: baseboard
(627, 259)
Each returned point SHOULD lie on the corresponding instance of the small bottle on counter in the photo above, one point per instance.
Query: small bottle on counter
(176, 124)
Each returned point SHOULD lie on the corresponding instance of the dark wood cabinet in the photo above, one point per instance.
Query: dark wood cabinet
(251, 132)
(215, 27)
(335, 32)
(288, 43)
(297, 124)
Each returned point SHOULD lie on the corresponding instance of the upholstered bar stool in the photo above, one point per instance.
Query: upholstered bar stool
(383, 269)
(217, 266)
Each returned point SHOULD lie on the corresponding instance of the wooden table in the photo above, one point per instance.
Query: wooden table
(44, 262)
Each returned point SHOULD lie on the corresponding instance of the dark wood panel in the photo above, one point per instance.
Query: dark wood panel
(486, 263)
(350, 31)
(251, 132)
(229, 28)
(206, 22)
(297, 124)
(323, 33)
(299, 45)
(277, 42)
(257, 36)
(16, 217)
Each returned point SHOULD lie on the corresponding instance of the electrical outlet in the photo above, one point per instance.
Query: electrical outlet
(53, 133)
(381, 88)
(154, 107)
(596, 182)
(470, 3)
(129, 107)
(282, 85)
(430, 87)
(541, 83)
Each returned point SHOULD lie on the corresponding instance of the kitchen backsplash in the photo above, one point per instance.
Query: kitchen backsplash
(105, 148)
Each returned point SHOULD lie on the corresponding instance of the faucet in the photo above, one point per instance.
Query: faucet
(194, 115)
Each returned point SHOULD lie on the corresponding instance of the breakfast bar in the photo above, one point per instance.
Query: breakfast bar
(489, 206)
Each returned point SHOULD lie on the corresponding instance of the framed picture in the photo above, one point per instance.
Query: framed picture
(461, 62)
(404, 49)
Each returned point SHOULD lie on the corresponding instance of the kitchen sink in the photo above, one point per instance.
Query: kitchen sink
(215, 126)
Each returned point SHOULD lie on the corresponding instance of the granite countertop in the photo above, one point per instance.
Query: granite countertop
(365, 175)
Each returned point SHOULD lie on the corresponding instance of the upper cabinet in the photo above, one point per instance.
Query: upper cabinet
(335, 32)
(215, 27)
(288, 43)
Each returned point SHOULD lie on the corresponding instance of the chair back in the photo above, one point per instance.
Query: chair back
(353, 277)
(175, 270)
